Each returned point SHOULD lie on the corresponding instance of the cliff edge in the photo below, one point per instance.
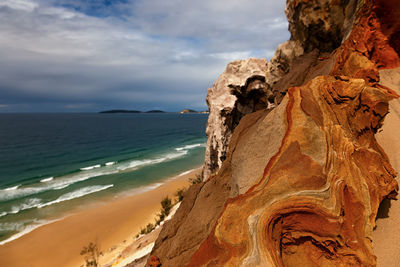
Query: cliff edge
(303, 181)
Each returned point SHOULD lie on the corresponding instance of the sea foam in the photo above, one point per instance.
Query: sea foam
(22, 229)
(12, 188)
(90, 172)
(77, 194)
(45, 180)
(91, 167)
(187, 147)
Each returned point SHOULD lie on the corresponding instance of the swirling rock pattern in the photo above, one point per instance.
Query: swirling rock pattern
(301, 185)
(317, 201)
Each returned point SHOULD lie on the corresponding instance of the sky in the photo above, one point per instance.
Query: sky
(87, 56)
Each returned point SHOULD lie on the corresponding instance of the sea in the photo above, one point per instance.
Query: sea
(53, 164)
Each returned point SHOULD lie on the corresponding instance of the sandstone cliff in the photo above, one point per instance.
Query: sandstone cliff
(240, 90)
(303, 183)
(317, 28)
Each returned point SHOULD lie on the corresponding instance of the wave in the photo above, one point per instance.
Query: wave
(184, 173)
(11, 226)
(37, 202)
(140, 190)
(12, 188)
(21, 228)
(28, 204)
(135, 164)
(90, 167)
(55, 184)
(45, 180)
(110, 163)
(61, 186)
(77, 194)
(188, 147)
(89, 172)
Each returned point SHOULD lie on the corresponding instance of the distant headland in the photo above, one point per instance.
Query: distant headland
(184, 111)
(191, 111)
(130, 111)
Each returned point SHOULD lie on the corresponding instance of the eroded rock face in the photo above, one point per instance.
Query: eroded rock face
(302, 183)
(240, 90)
(318, 197)
(317, 28)
(320, 24)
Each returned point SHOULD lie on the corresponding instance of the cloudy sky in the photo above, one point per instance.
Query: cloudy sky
(91, 55)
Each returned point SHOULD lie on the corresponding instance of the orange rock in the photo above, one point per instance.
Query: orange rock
(308, 209)
(153, 261)
(305, 181)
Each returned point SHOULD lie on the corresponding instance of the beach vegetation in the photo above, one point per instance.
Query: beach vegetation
(91, 254)
(197, 180)
(160, 217)
(143, 231)
(148, 229)
(180, 194)
(166, 206)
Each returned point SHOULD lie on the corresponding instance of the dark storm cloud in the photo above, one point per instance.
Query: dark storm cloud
(79, 56)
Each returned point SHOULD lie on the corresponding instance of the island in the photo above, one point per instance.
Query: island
(120, 111)
(191, 111)
(155, 111)
(130, 111)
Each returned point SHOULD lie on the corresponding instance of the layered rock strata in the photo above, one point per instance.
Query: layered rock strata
(317, 28)
(318, 197)
(303, 183)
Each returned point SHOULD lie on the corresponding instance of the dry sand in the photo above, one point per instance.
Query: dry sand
(386, 237)
(110, 224)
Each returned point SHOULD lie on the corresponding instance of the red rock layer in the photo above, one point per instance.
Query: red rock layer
(308, 208)
(316, 202)
(314, 210)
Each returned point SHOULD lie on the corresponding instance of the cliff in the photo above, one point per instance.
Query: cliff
(317, 28)
(302, 182)
(240, 90)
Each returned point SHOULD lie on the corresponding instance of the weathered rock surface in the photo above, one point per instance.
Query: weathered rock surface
(240, 90)
(318, 197)
(317, 28)
(303, 183)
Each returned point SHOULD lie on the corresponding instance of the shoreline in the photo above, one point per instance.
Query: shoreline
(58, 243)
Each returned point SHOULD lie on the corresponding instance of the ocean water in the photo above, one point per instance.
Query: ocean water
(51, 164)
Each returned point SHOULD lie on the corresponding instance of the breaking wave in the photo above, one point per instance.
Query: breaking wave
(77, 194)
(85, 173)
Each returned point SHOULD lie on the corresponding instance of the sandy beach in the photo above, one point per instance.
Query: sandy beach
(109, 224)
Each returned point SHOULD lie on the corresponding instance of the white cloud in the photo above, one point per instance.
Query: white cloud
(24, 5)
(152, 49)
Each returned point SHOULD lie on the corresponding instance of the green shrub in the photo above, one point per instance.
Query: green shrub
(149, 228)
(143, 231)
(166, 206)
(91, 254)
(180, 194)
(196, 180)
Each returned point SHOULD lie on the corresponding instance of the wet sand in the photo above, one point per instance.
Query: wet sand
(109, 224)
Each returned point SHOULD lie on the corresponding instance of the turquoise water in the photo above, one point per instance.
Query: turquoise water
(51, 164)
